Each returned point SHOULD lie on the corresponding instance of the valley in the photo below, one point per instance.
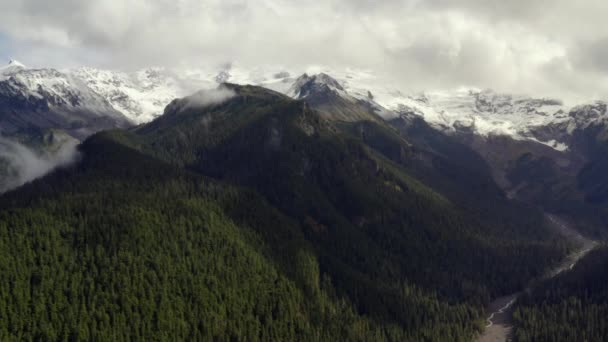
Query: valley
(500, 321)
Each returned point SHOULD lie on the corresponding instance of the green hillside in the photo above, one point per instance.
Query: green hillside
(571, 307)
(255, 219)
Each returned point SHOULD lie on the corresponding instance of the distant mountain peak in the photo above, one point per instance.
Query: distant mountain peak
(223, 76)
(47, 98)
(12, 67)
(306, 85)
(143, 95)
(16, 63)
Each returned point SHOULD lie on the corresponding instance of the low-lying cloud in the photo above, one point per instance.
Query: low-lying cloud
(20, 164)
(207, 97)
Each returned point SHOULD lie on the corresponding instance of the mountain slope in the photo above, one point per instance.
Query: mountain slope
(361, 209)
(324, 233)
(40, 99)
(44, 113)
(439, 160)
(129, 247)
(570, 307)
(327, 95)
(536, 148)
(141, 95)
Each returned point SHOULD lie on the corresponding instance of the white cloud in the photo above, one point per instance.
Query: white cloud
(203, 98)
(506, 45)
(19, 164)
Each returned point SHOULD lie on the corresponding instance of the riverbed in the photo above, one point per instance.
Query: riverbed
(499, 322)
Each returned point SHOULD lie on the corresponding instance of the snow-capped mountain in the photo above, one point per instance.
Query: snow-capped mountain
(486, 113)
(48, 98)
(142, 96)
(11, 68)
(54, 87)
(481, 112)
(519, 137)
(305, 86)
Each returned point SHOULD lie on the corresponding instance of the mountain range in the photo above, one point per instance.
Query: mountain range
(280, 206)
(242, 212)
(142, 95)
(537, 148)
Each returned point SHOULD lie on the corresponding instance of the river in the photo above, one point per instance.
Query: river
(499, 323)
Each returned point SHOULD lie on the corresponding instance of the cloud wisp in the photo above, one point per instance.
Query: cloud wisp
(19, 164)
(207, 97)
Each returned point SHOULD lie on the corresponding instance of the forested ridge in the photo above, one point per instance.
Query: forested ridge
(571, 307)
(124, 247)
(252, 220)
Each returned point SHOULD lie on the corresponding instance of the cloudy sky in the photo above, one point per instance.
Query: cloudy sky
(557, 47)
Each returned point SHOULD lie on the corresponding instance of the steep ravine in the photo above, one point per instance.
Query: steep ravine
(499, 322)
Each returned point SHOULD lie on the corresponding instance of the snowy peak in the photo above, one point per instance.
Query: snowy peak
(48, 98)
(589, 112)
(331, 97)
(488, 101)
(587, 115)
(143, 95)
(306, 86)
(11, 68)
(54, 88)
(51, 99)
(16, 63)
(484, 112)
